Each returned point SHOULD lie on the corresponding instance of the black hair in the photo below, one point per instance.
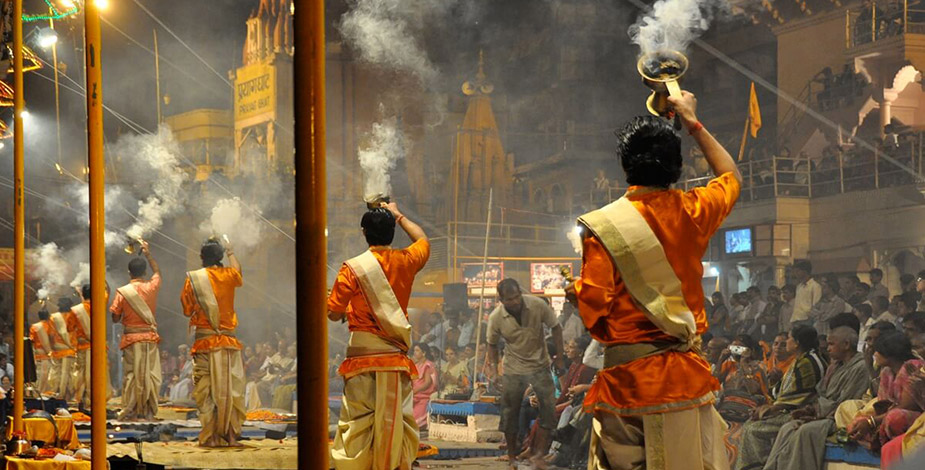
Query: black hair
(43, 314)
(876, 271)
(907, 278)
(752, 289)
(804, 265)
(85, 291)
(917, 319)
(882, 302)
(909, 299)
(864, 286)
(137, 267)
(718, 294)
(650, 152)
(865, 309)
(920, 275)
(846, 319)
(582, 342)
(883, 326)
(789, 288)
(378, 226)
(806, 337)
(211, 253)
(894, 345)
(508, 285)
(65, 304)
(750, 343)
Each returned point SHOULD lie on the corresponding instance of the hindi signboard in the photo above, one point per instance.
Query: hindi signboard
(254, 95)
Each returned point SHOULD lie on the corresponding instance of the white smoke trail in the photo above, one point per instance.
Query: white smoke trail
(673, 24)
(116, 199)
(83, 275)
(381, 31)
(385, 148)
(233, 218)
(51, 268)
(574, 237)
(158, 157)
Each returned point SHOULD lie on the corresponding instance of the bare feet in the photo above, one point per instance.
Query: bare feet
(539, 463)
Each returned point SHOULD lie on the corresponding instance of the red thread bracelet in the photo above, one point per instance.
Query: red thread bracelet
(398, 220)
(695, 128)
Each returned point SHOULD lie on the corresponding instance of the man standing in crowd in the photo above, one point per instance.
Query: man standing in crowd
(827, 307)
(572, 327)
(376, 429)
(218, 371)
(877, 289)
(808, 293)
(519, 320)
(135, 306)
(40, 334)
(63, 354)
(640, 294)
(788, 295)
(800, 444)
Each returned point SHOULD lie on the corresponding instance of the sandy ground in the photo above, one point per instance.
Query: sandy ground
(489, 463)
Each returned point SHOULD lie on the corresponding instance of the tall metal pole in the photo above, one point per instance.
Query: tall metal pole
(19, 239)
(54, 57)
(478, 323)
(98, 373)
(157, 77)
(311, 244)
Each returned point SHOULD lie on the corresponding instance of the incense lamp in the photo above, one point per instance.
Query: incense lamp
(132, 245)
(375, 201)
(662, 71)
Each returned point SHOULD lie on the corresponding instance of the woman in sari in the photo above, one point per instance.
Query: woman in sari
(745, 388)
(454, 375)
(796, 389)
(424, 386)
(894, 410)
(913, 440)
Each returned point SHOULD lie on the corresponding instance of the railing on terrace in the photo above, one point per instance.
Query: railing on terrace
(803, 178)
(883, 19)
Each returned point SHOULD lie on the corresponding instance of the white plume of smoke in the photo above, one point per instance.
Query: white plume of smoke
(674, 24)
(83, 275)
(381, 31)
(233, 218)
(574, 237)
(51, 268)
(387, 145)
(116, 199)
(158, 157)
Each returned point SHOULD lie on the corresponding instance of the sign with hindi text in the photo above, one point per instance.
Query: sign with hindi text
(254, 95)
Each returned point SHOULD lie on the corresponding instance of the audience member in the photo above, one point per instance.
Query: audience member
(827, 307)
(808, 293)
(768, 321)
(424, 385)
(454, 374)
(780, 359)
(719, 320)
(877, 289)
(913, 324)
(788, 296)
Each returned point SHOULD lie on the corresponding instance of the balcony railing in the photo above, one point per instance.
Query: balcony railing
(883, 19)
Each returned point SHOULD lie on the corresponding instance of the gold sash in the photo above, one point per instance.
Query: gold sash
(43, 337)
(205, 296)
(60, 325)
(363, 343)
(83, 318)
(644, 268)
(138, 304)
(381, 298)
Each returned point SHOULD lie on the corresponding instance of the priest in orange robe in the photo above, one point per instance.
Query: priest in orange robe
(377, 429)
(218, 370)
(640, 295)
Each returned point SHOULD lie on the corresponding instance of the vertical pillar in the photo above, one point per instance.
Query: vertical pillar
(311, 219)
(98, 386)
(19, 280)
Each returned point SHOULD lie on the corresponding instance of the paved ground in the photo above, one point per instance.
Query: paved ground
(488, 463)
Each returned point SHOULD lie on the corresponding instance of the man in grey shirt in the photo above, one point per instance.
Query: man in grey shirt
(519, 320)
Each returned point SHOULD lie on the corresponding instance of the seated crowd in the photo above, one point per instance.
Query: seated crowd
(826, 360)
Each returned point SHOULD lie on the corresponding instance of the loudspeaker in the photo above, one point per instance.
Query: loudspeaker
(455, 297)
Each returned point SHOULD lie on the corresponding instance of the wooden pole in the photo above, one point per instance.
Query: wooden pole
(311, 251)
(54, 58)
(98, 386)
(19, 239)
(478, 323)
(744, 139)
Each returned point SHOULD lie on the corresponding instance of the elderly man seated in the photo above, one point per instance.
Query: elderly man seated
(800, 444)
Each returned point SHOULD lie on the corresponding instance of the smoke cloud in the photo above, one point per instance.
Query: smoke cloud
(158, 157)
(51, 268)
(387, 145)
(674, 24)
(574, 237)
(83, 275)
(233, 218)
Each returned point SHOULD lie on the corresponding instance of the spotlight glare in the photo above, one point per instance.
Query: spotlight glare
(47, 38)
(101, 5)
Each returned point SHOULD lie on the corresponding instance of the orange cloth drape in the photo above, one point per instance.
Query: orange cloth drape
(224, 281)
(400, 267)
(40, 429)
(683, 223)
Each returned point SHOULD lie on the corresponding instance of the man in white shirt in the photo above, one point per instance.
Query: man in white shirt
(572, 327)
(877, 289)
(754, 308)
(808, 293)
(880, 312)
(466, 328)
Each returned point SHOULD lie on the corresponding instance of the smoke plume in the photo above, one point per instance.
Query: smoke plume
(83, 275)
(574, 237)
(51, 268)
(386, 147)
(674, 24)
(157, 156)
(233, 218)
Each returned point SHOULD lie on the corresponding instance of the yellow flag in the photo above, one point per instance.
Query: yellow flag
(754, 112)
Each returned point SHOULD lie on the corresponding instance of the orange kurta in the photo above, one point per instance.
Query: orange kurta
(57, 339)
(123, 312)
(400, 267)
(37, 348)
(673, 381)
(224, 281)
(78, 336)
